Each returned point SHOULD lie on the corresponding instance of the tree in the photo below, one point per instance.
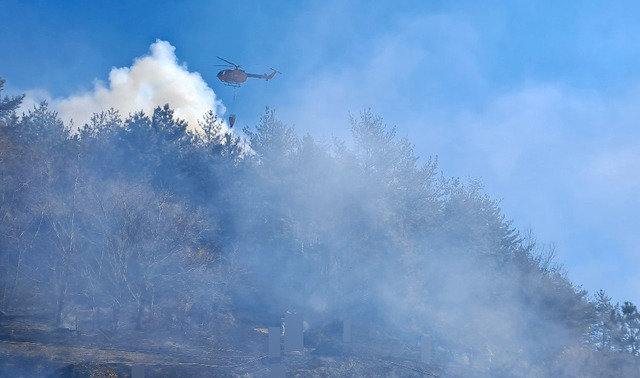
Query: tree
(47, 172)
(167, 126)
(603, 332)
(210, 130)
(272, 141)
(41, 129)
(630, 337)
(8, 107)
(375, 145)
(13, 221)
(102, 125)
(11, 169)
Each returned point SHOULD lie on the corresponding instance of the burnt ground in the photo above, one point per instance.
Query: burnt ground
(32, 347)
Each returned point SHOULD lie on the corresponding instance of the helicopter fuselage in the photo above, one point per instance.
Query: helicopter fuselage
(233, 77)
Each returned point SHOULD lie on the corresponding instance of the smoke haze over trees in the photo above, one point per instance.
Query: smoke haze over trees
(140, 224)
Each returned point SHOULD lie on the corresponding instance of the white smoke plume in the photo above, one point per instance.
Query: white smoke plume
(153, 80)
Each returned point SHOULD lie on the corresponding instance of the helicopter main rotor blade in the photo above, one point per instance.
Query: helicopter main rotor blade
(223, 59)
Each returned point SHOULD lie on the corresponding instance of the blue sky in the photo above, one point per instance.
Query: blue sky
(537, 99)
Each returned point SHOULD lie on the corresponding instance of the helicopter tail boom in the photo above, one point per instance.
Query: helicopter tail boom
(264, 76)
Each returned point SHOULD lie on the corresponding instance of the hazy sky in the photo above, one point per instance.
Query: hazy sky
(538, 99)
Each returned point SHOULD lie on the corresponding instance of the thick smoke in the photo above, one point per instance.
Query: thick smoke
(191, 243)
(153, 80)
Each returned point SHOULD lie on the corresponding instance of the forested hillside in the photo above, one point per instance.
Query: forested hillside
(135, 225)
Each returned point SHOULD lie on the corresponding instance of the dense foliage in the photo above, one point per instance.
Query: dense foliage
(142, 224)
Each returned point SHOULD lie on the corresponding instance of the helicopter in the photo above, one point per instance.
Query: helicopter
(234, 77)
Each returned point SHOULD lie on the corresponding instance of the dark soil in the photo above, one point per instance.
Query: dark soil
(31, 347)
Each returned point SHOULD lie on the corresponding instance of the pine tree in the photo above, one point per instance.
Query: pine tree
(630, 337)
(8, 107)
(603, 331)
